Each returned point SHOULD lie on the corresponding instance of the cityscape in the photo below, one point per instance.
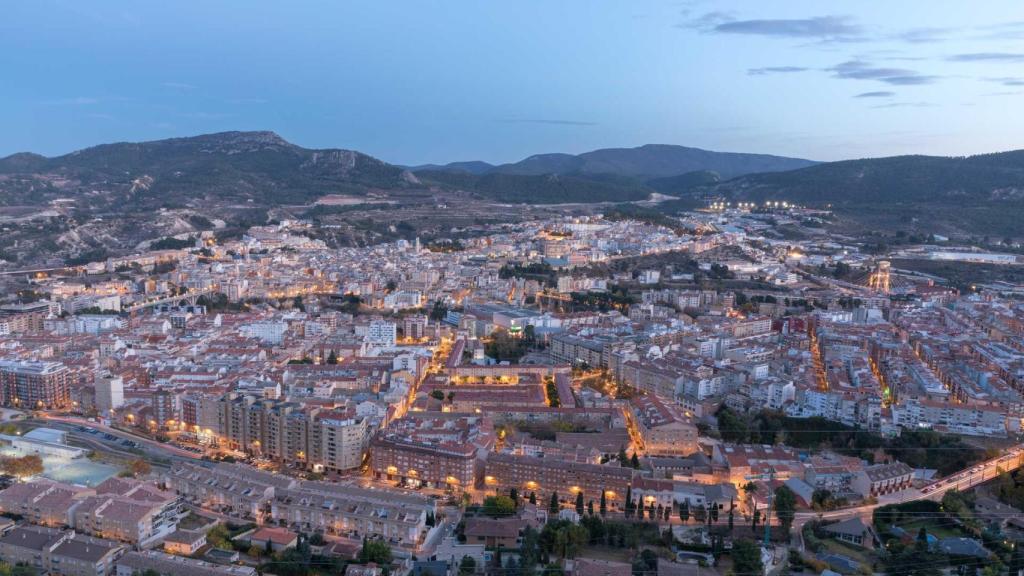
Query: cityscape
(226, 354)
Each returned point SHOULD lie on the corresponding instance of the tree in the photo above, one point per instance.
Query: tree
(746, 558)
(332, 358)
(1016, 565)
(623, 458)
(438, 311)
(139, 467)
(437, 394)
(533, 498)
(922, 539)
(684, 511)
(514, 495)
(579, 503)
(603, 507)
(553, 503)
(499, 506)
(23, 467)
(634, 461)
(785, 507)
(255, 551)
(629, 501)
(590, 507)
(467, 566)
(376, 551)
(757, 518)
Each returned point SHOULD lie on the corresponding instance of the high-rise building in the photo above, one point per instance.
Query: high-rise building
(288, 432)
(109, 393)
(165, 408)
(35, 385)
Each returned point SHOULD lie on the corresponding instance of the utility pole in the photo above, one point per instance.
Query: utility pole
(768, 515)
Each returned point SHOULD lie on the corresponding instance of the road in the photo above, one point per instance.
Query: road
(166, 449)
(963, 480)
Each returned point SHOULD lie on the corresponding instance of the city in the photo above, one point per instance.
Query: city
(511, 288)
(689, 387)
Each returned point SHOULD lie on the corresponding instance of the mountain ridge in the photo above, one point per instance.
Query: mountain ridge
(644, 162)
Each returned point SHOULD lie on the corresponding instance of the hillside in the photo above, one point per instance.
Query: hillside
(257, 167)
(644, 163)
(539, 189)
(995, 177)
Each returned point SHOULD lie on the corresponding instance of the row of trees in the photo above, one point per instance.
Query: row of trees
(22, 466)
(918, 448)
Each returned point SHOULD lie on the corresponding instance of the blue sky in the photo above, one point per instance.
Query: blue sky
(430, 81)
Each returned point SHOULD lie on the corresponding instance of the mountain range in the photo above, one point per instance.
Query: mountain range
(115, 197)
(262, 169)
(645, 162)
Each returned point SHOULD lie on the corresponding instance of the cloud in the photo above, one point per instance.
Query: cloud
(707, 22)
(987, 57)
(878, 94)
(550, 121)
(914, 79)
(1007, 80)
(179, 85)
(905, 105)
(821, 27)
(775, 70)
(922, 35)
(1005, 93)
(1004, 31)
(861, 70)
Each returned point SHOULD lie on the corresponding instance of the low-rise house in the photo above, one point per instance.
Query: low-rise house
(184, 542)
(236, 488)
(341, 509)
(851, 530)
(41, 501)
(84, 556)
(883, 479)
(61, 552)
(133, 563)
(278, 538)
(30, 545)
(494, 532)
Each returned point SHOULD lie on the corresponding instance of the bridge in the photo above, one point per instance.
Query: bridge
(191, 297)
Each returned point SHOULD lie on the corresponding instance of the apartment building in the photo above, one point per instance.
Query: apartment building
(433, 449)
(35, 385)
(664, 429)
(289, 432)
(544, 476)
